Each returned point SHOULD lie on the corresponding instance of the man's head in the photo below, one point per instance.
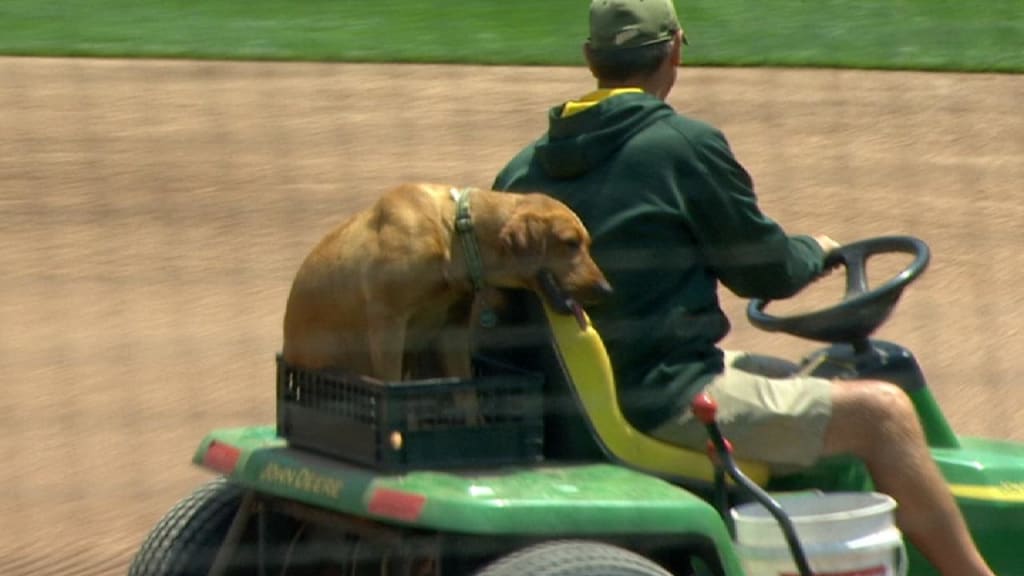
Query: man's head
(632, 41)
(624, 24)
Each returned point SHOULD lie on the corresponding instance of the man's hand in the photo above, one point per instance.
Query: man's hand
(827, 244)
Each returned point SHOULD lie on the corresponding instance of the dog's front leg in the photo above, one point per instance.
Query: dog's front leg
(454, 341)
(456, 358)
(386, 340)
(453, 348)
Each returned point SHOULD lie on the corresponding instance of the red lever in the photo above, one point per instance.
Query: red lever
(704, 408)
(713, 452)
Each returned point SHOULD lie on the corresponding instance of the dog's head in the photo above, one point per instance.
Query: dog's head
(545, 234)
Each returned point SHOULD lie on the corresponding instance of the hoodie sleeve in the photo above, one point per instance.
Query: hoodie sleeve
(749, 252)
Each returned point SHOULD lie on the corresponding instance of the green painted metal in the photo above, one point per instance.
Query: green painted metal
(580, 499)
(986, 476)
(570, 500)
(983, 462)
(937, 430)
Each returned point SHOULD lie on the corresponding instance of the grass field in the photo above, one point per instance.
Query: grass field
(979, 35)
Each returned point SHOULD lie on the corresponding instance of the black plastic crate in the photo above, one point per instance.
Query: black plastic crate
(491, 419)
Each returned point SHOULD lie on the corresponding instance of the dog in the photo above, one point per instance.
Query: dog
(389, 293)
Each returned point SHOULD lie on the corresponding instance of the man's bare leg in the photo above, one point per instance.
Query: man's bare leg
(876, 422)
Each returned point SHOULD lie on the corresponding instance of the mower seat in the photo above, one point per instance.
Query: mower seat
(577, 370)
(588, 369)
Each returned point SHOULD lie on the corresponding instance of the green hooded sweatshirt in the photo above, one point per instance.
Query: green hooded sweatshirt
(671, 213)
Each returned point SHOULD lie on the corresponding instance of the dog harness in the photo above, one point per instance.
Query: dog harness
(474, 262)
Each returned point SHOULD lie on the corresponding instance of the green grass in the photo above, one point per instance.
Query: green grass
(972, 35)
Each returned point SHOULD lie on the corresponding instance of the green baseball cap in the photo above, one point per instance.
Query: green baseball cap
(617, 24)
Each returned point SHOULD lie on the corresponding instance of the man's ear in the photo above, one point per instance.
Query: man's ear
(676, 52)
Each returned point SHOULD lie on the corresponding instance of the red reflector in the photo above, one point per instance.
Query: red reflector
(221, 457)
(398, 505)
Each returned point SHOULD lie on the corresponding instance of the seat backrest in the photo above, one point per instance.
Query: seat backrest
(583, 418)
(522, 338)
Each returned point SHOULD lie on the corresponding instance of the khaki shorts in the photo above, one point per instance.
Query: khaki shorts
(767, 413)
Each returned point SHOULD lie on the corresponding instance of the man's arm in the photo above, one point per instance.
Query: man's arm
(750, 253)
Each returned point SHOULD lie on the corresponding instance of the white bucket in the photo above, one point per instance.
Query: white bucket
(842, 534)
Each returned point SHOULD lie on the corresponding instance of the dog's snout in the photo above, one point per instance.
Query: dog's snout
(593, 292)
(599, 290)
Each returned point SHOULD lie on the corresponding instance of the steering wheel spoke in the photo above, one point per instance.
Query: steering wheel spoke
(855, 261)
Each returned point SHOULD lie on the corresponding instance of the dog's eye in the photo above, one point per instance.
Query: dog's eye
(573, 244)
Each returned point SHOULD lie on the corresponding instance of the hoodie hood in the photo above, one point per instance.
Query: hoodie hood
(575, 144)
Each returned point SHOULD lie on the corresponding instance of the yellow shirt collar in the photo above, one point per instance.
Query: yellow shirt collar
(576, 106)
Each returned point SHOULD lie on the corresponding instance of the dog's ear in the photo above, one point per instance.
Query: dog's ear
(524, 235)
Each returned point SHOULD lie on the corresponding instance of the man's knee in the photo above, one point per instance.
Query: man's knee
(873, 398)
(867, 412)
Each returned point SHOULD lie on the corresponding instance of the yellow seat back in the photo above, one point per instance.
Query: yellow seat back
(586, 364)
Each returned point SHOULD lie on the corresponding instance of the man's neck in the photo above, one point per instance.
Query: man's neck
(648, 85)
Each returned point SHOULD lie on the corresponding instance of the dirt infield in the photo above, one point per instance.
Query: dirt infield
(154, 212)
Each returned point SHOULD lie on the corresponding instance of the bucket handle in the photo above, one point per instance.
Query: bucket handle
(903, 565)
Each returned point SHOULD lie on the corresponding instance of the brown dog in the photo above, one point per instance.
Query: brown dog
(393, 283)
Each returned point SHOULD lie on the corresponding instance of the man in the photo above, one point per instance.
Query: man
(673, 214)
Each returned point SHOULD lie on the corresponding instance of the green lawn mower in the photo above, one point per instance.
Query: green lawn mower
(530, 468)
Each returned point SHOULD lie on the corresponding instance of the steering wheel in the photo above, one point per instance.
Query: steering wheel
(862, 309)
